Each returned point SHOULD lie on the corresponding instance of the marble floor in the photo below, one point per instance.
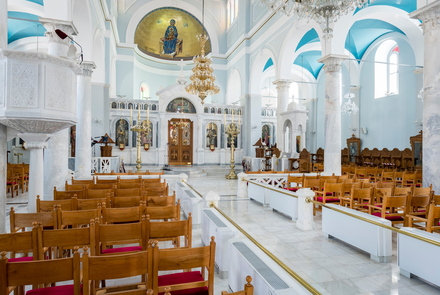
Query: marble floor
(329, 265)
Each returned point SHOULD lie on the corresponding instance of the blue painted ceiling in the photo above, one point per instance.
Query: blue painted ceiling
(407, 5)
(41, 2)
(309, 60)
(364, 32)
(309, 37)
(18, 29)
(268, 64)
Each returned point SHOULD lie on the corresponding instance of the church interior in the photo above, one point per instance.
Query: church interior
(219, 147)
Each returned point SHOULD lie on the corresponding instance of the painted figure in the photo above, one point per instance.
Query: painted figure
(170, 40)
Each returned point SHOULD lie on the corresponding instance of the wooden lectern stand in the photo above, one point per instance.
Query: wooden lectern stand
(106, 150)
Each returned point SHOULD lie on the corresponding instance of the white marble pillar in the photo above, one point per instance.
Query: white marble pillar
(251, 123)
(283, 87)
(3, 24)
(35, 142)
(3, 165)
(430, 16)
(305, 210)
(83, 149)
(57, 153)
(332, 111)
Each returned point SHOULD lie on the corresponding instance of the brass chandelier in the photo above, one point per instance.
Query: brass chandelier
(202, 78)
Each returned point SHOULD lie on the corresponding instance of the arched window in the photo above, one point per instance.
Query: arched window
(206, 110)
(232, 11)
(386, 69)
(145, 91)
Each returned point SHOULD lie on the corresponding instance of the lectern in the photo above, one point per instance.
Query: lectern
(106, 150)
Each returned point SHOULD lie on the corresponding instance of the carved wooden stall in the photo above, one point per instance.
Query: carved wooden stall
(417, 150)
(354, 149)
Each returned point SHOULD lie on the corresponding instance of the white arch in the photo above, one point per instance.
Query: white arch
(392, 15)
(291, 41)
(145, 9)
(256, 72)
(233, 88)
(99, 57)
(82, 19)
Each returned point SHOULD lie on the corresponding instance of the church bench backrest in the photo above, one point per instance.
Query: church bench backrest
(248, 288)
(164, 212)
(88, 204)
(171, 230)
(47, 206)
(86, 182)
(100, 193)
(120, 215)
(20, 242)
(64, 195)
(161, 201)
(124, 202)
(19, 221)
(75, 187)
(128, 192)
(77, 218)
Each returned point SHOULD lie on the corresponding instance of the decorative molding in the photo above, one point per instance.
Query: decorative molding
(429, 15)
(24, 85)
(58, 93)
(283, 85)
(332, 62)
(53, 24)
(29, 125)
(87, 68)
(40, 56)
(35, 141)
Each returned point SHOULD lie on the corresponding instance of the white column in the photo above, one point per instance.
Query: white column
(35, 142)
(200, 150)
(332, 111)
(283, 87)
(430, 16)
(251, 123)
(83, 149)
(3, 24)
(57, 153)
(3, 165)
(305, 210)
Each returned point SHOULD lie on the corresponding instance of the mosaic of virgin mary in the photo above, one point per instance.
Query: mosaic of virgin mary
(171, 45)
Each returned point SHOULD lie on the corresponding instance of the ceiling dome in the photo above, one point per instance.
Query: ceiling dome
(170, 33)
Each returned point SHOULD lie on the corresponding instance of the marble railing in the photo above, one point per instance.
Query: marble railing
(100, 164)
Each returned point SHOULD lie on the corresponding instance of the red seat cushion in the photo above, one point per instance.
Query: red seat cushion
(180, 278)
(321, 199)
(58, 290)
(9, 182)
(292, 189)
(391, 218)
(122, 249)
(21, 259)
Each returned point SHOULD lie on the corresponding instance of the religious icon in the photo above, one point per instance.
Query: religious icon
(211, 136)
(265, 135)
(146, 138)
(171, 45)
(121, 133)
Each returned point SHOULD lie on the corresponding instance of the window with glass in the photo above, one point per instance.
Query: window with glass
(232, 11)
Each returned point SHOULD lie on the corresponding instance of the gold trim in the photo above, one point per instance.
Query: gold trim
(271, 188)
(398, 230)
(273, 257)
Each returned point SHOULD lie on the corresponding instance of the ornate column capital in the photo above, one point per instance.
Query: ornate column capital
(87, 68)
(332, 62)
(35, 140)
(429, 15)
(53, 24)
(282, 84)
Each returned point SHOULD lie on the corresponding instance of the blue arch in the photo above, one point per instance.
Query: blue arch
(18, 29)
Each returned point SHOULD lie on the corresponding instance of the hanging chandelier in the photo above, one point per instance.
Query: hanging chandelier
(202, 78)
(349, 108)
(318, 10)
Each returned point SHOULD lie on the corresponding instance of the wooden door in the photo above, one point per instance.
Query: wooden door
(180, 140)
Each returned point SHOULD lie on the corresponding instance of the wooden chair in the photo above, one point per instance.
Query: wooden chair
(171, 230)
(12, 183)
(150, 181)
(124, 202)
(419, 178)
(77, 219)
(379, 192)
(388, 176)
(65, 195)
(20, 242)
(128, 192)
(90, 204)
(248, 288)
(61, 239)
(421, 191)
(294, 183)
(372, 173)
(47, 206)
(131, 180)
(431, 222)
(398, 177)
(129, 185)
(107, 181)
(361, 173)
(41, 273)
(108, 235)
(330, 194)
(75, 187)
(435, 199)
(312, 183)
(123, 215)
(161, 201)
(23, 243)
(408, 179)
(19, 221)
(359, 199)
(22, 178)
(99, 186)
(417, 205)
(171, 213)
(401, 191)
(392, 209)
(347, 186)
(100, 193)
(84, 182)
(367, 184)
(101, 268)
(194, 282)
(159, 191)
